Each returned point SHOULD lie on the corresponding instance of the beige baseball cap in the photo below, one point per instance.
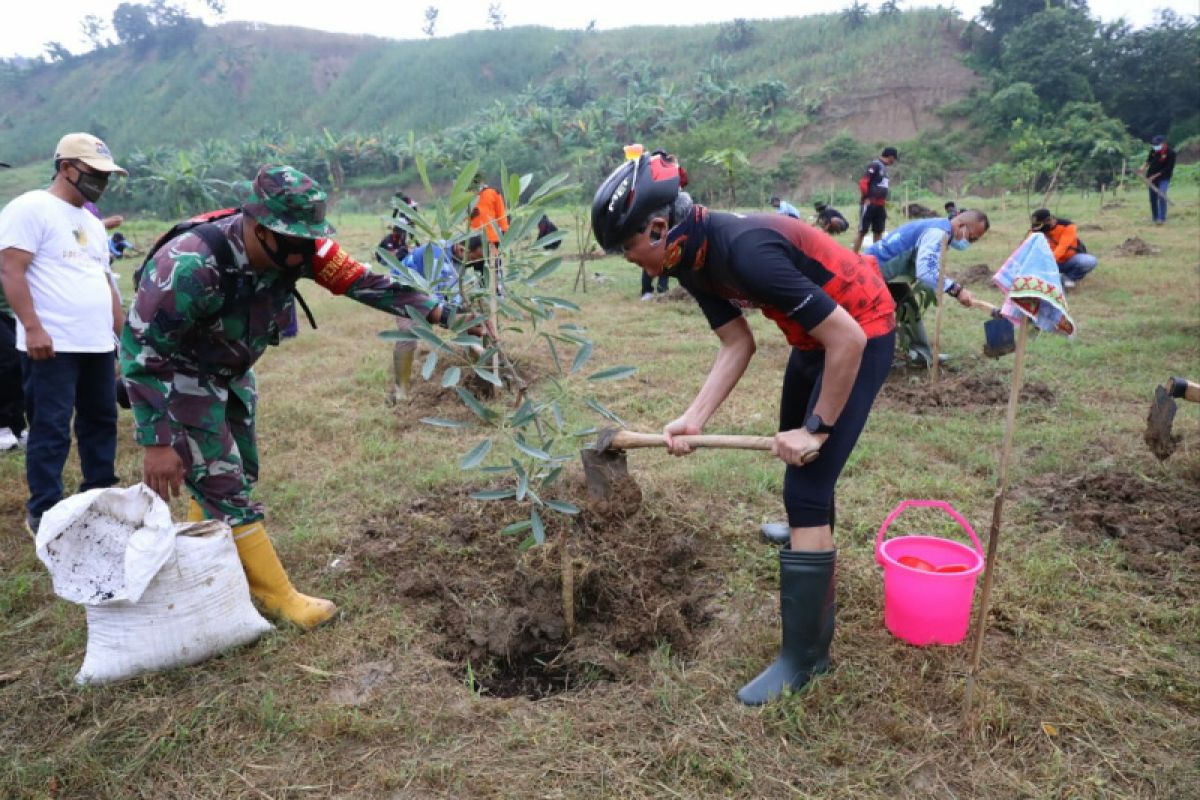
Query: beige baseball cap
(88, 149)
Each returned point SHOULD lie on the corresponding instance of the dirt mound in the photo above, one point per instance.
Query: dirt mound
(918, 211)
(1146, 518)
(677, 294)
(1137, 247)
(912, 391)
(1089, 226)
(976, 274)
(637, 584)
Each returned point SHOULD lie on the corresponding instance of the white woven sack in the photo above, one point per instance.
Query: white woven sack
(157, 595)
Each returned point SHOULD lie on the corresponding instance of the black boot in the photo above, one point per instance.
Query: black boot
(806, 609)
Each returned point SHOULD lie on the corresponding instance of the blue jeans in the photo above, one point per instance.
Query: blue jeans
(1077, 266)
(1158, 205)
(79, 384)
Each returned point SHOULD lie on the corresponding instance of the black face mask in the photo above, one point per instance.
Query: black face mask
(89, 185)
(285, 248)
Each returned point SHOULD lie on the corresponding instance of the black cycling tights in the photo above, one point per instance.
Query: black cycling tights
(808, 490)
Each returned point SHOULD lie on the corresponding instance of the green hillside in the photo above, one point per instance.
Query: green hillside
(792, 107)
(235, 81)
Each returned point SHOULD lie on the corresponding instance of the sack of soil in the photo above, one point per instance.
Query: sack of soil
(157, 595)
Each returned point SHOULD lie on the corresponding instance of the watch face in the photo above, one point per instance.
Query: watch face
(812, 424)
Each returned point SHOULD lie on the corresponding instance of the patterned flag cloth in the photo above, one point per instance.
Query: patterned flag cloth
(1033, 287)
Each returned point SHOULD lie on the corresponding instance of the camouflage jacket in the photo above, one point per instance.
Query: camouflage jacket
(181, 339)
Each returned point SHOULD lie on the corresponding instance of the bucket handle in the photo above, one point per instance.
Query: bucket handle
(943, 505)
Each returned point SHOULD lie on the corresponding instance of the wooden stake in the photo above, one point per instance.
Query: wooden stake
(494, 304)
(1018, 378)
(568, 581)
(937, 326)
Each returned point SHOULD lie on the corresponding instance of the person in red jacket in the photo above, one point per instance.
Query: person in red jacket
(1074, 261)
(873, 193)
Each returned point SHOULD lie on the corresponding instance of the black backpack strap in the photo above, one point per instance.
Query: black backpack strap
(304, 305)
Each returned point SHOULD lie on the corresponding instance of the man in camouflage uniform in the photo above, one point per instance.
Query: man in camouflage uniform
(187, 352)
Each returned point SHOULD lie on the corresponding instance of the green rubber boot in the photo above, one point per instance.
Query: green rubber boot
(402, 366)
(807, 612)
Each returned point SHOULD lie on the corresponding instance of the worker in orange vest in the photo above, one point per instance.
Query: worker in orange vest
(489, 213)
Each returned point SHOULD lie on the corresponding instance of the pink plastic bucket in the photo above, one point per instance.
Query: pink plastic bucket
(923, 606)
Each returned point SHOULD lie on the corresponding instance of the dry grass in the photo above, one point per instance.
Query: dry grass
(1090, 685)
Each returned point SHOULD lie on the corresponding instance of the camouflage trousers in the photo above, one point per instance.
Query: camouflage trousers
(212, 424)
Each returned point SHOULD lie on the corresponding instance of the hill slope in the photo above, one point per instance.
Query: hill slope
(884, 80)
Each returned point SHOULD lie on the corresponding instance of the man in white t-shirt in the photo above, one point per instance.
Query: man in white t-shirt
(54, 268)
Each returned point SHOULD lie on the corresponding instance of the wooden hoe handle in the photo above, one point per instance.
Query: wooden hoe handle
(625, 440)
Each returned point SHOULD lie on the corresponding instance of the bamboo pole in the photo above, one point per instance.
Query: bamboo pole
(493, 310)
(1018, 378)
(937, 325)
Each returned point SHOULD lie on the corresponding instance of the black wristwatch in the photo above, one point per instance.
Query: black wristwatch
(814, 424)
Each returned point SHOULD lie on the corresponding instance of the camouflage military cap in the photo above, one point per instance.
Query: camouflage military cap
(286, 201)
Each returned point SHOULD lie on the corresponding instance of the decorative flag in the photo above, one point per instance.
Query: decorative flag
(1033, 287)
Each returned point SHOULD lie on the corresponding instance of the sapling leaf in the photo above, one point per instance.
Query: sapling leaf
(604, 412)
(545, 270)
(442, 422)
(612, 374)
(493, 494)
(476, 456)
(550, 478)
(562, 507)
(531, 451)
(488, 376)
(484, 413)
(516, 527)
(557, 302)
(451, 377)
(553, 353)
(581, 357)
(428, 367)
(539, 530)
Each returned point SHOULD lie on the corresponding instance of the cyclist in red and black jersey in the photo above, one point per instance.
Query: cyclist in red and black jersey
(873, 189)
(836, 312)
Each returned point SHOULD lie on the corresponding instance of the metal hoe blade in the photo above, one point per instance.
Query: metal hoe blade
(1158, 434)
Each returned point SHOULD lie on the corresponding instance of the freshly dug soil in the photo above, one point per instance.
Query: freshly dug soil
(1137, 247)
(976, 274)
(912, 391)
(639, 583)
(1147, 518)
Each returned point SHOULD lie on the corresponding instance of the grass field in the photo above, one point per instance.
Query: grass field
(1091, 678)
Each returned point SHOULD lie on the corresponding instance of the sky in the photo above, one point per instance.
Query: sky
(27, 33)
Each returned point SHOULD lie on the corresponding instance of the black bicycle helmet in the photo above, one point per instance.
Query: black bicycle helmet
(631, 193)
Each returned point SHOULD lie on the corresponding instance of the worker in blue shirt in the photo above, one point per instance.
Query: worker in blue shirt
(439, 266)
(912, 255)
(785, 208)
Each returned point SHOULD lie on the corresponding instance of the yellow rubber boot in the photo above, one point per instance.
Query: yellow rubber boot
(402, 365)
(194, 512)
(269, 584)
